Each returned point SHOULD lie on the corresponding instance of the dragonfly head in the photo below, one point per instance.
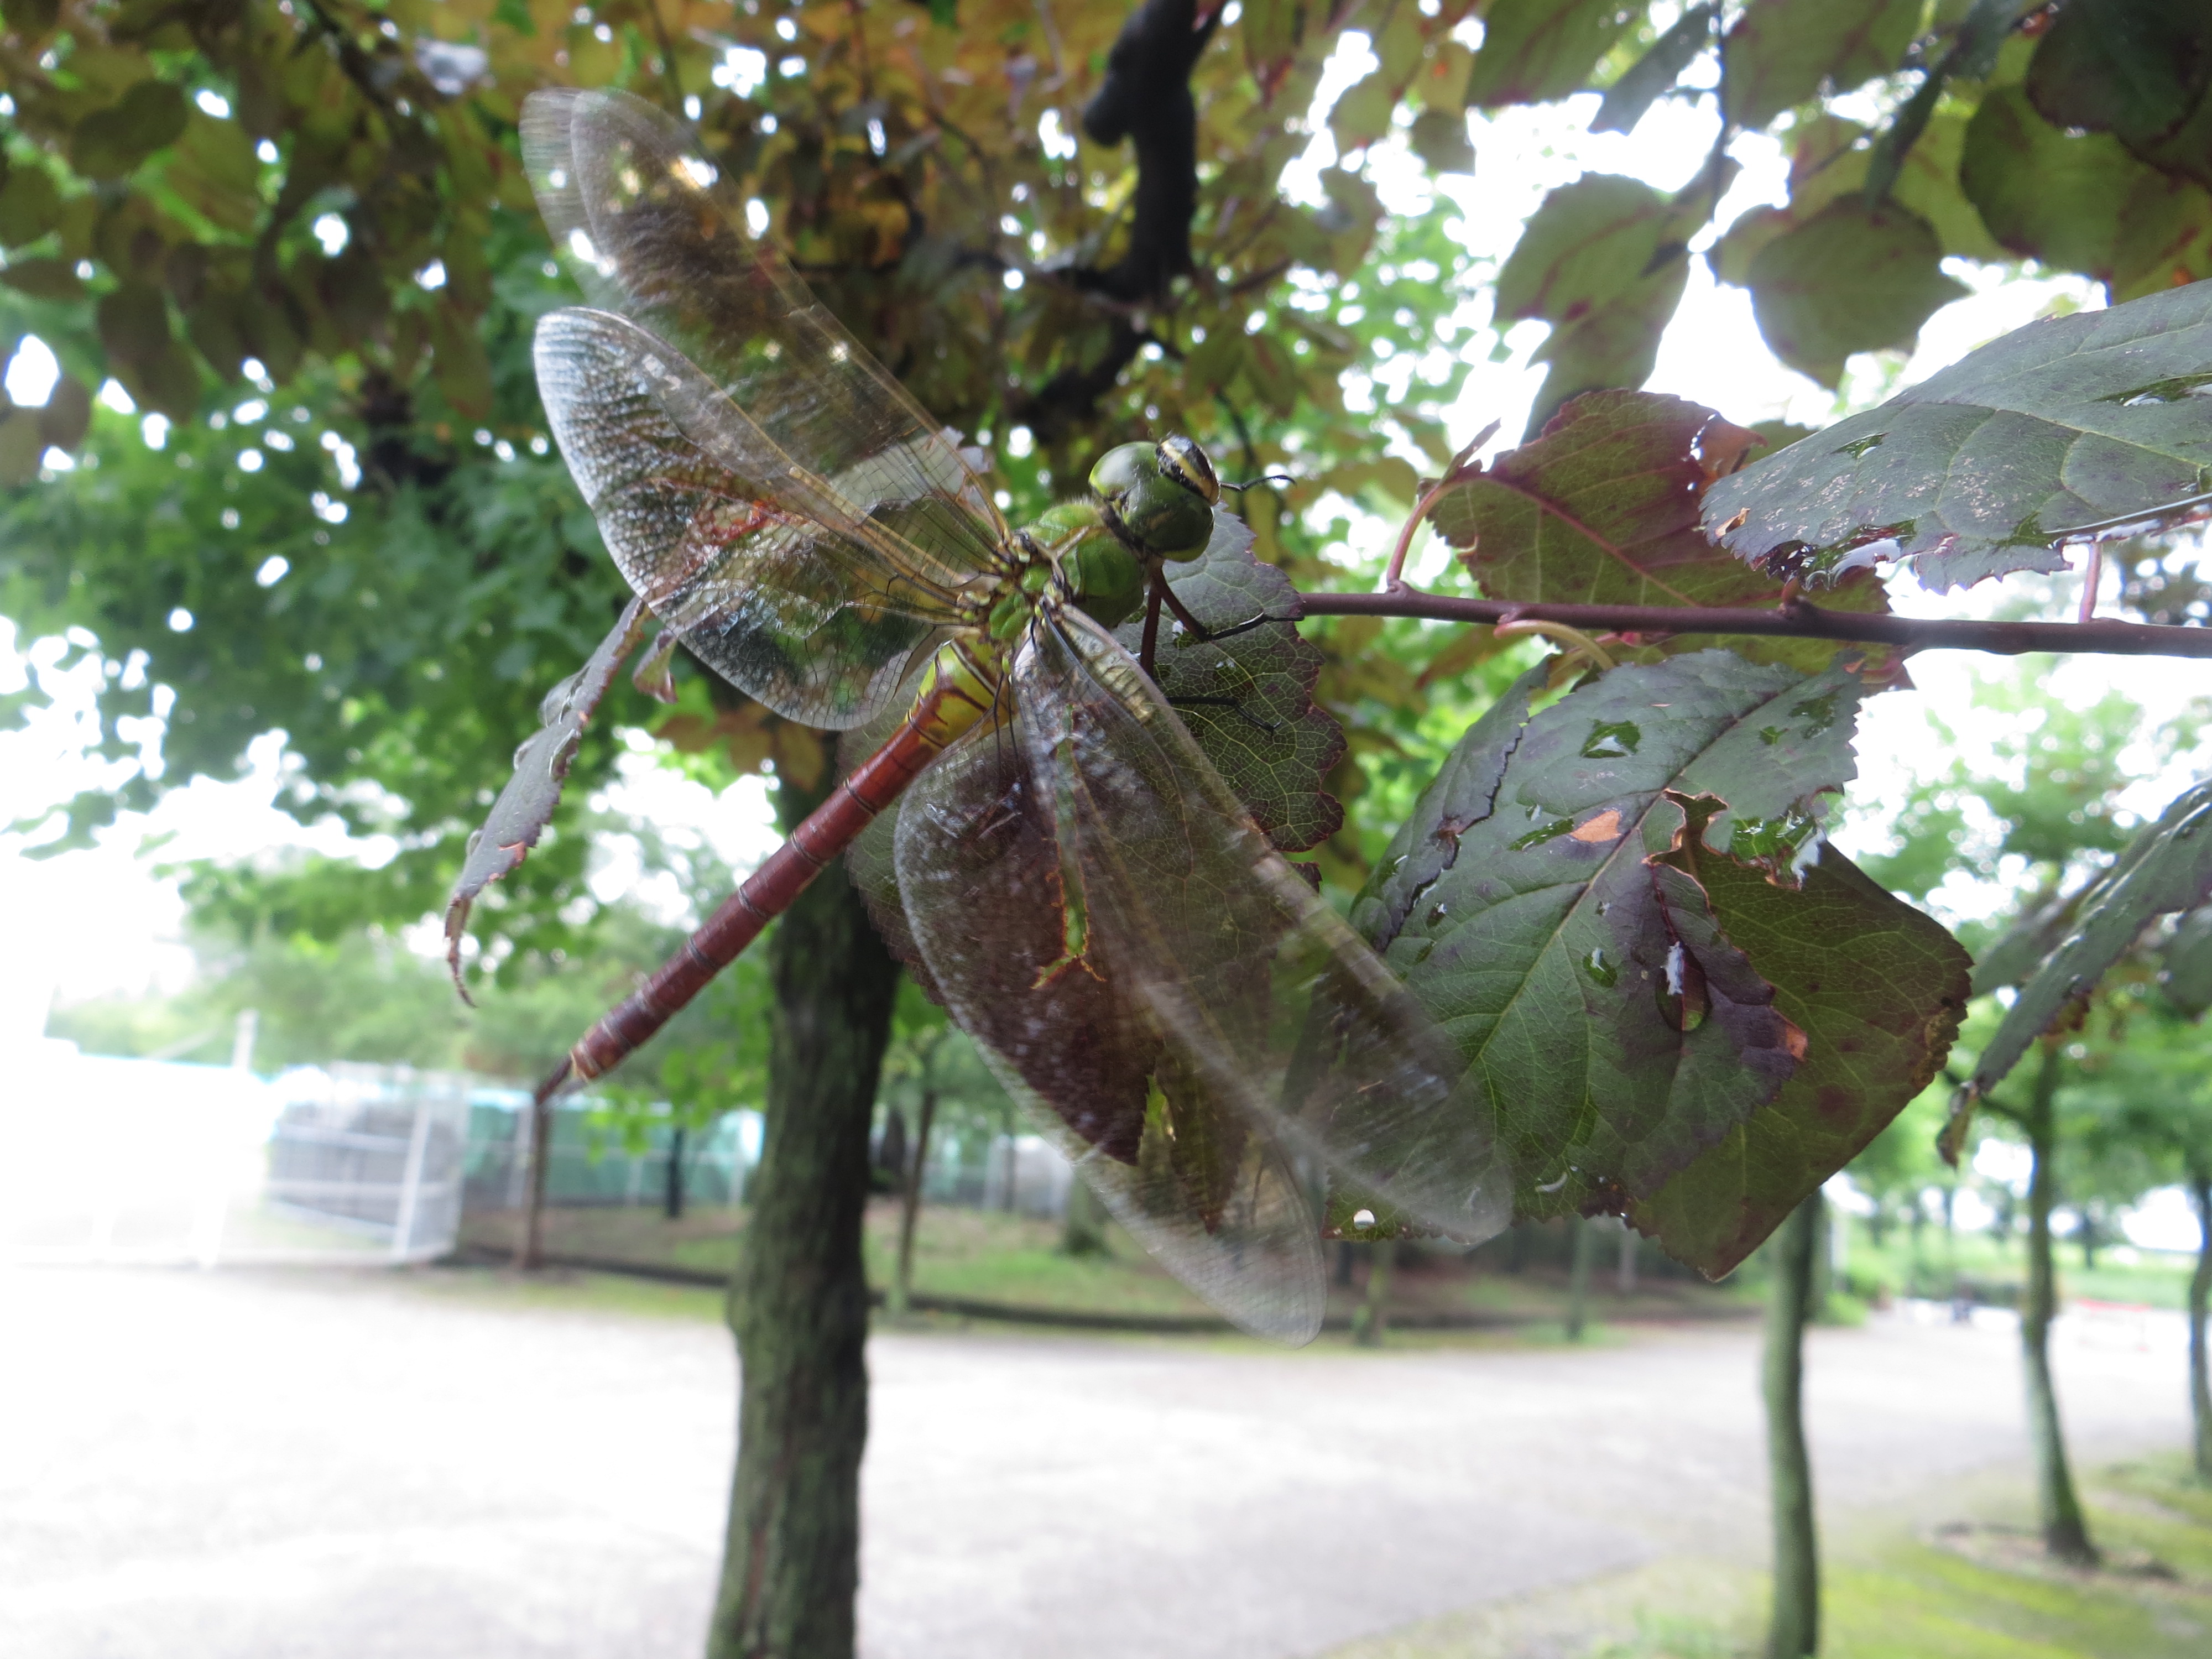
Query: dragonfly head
(1159, 497)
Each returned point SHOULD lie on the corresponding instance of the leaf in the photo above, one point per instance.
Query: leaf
(29, 206)
(1439, 138)
(2185, 968)
(1603, 261)
(2081, 202)
(2140, 69)
(1517, 904)
(2020, 949)
(1876, 987)
(2069, 423)
(1266, 736)
(2167, 867)
(109, 143)
(1602, 509)
(1535, 50)
(1247, 697)
(1783, 53)
(524, 808)
(43, 279)
(1853, 278)
(1651, 76)
(67, 413)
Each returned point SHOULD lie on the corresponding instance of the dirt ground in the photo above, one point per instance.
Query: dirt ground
(441, 1465)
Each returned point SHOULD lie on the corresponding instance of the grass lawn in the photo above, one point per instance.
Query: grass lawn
(1998, 1267)
(993, 1256)
(1972, 1590)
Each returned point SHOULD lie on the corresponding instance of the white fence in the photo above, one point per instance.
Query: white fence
(150, 1161)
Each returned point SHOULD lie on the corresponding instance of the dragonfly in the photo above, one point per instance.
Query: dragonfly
(1217, 1053)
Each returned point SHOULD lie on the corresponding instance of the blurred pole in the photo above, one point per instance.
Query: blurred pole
(529, 1251)
(910, 1211)
(2200, 1293)
(1578, 1273)
(1625, 1278)
(1794, 1631)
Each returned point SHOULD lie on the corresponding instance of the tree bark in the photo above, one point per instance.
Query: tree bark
(1370, 1319)
(1578, 1273)
(2065, 1532)
(1793, 1631)
(671, 1197)
(1083, 1226)
(2200, 1293)
(799, 1300)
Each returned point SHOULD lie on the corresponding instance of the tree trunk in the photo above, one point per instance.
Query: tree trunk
(530, 1248)
(1083, 1226)
(1578, 1273)
(672, 1197)
(2065, 1533)
(1624, 1274)
(1794, 1629)
(2200, 1293)
(1371, 1319)
(799, 1300)
(901, 1291)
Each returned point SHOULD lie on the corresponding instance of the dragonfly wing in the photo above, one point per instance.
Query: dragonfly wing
(745, 560)
(979, 874)
(654, 235)
(1272, 1013)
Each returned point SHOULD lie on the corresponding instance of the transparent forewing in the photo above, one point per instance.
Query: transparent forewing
(653, 234)
(1273, 1014)
(979, 875)
(758, 566)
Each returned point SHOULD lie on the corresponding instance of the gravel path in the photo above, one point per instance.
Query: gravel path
(324, 1466)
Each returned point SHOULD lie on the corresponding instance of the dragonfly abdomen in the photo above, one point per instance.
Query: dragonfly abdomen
(960, 690)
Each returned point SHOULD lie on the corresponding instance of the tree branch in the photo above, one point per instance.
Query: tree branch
(1796, 620)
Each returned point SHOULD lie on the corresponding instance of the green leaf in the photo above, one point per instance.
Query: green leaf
(2185, 965)
(2081, 202)
(109, 143)
(29, 206)
(1653, 76)
(1247, 697)
(1517, 904)
(1854, 278)
(1877, 988)
(1603, 260)
(2167, 867)
(43, 279)
(1602, 509)
(2140, 69)
(1783, 53)
(1533, 50)
(1439, 138)
(2068, 422)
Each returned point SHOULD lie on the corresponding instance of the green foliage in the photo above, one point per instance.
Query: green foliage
(2168, 868)
(2070, 423)
(1782, 53)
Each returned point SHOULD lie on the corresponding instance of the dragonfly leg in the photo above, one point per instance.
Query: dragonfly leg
(1237, 703)
(1198, 629)
(1155, 592)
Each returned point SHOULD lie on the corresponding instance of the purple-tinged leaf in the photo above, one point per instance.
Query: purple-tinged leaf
(1876, 988)
(1608, 1026)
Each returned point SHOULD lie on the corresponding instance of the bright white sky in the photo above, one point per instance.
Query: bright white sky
(107, 920)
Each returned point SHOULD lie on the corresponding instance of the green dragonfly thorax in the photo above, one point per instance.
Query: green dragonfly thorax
(1153, 502)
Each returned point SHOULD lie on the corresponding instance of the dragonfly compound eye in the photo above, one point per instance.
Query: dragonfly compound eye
(1158, 498)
